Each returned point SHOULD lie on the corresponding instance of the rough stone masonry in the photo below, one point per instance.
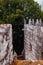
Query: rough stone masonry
(33, 40)
(6, 48)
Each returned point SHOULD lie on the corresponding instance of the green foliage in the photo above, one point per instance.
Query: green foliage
(42, 16)
(12, 9)
(32, 9)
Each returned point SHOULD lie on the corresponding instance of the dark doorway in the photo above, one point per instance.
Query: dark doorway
(18, 38)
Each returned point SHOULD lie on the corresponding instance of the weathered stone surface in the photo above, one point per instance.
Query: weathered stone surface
(33, 35)
(6, 48)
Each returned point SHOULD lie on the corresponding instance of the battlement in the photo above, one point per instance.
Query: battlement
(34, 22)
(34, 27)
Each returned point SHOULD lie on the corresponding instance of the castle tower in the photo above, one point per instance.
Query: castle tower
(33, 40)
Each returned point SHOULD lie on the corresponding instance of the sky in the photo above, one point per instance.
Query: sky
(40, 2)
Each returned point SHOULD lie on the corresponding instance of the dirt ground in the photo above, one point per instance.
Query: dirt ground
(26, 62)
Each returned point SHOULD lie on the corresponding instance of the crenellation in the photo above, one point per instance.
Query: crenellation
(33, 22)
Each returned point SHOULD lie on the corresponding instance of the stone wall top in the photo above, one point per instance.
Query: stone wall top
(4, 27)
(34, 22)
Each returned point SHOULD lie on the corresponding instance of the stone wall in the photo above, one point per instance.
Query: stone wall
(6, 48)
(33, 40)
